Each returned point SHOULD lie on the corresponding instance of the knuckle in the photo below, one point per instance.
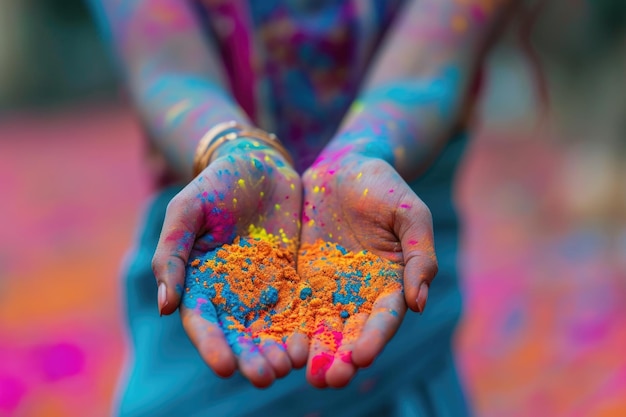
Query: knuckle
(308, 177)
(174, 205)
(158, 266)
(426, 264)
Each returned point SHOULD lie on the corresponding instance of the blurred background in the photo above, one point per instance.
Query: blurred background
(542, 193)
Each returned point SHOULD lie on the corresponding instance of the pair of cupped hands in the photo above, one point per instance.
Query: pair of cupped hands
(345, 197)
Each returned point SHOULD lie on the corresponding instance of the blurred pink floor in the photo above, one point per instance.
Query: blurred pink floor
(543, 333)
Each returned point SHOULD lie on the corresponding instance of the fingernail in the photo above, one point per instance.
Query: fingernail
(162, 297)
(422, 297)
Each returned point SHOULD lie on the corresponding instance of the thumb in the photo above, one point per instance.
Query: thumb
(414, 226)
(173, 249)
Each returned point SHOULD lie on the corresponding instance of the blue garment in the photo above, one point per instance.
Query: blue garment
(312, 83)
(414, 376)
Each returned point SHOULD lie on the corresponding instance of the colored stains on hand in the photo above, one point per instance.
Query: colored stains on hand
(248, 282)
(321, 363)
(251, 287)
(343, 284)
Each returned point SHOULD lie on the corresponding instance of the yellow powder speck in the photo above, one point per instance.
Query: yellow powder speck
(241, 183)
(316, 189)
(365, 192)
(293, 186)
(358, 177)
(177, 109)
(277, 206)
(311, 222)
(357, 106)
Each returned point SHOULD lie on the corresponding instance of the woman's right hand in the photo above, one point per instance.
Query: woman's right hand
(248, 184)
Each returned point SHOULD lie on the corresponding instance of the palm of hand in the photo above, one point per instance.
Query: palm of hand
(235, 195)
(363, 204)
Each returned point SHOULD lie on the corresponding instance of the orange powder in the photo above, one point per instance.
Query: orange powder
(254, 285)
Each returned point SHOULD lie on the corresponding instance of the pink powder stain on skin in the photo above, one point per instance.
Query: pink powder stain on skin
(164, 15)
(338, 336)
(183, 238)
(334, 157)
(391, 191)
(405, 206)
(320, 329)
(413, 242)
(321, 363)
(199, 303)
(391, 110)
(346, 356)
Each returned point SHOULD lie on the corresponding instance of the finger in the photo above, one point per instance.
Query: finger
(205, 334)
(276, 355)
(343, 369)
(252, 364)
(298, 349)
(173, 249)
(384, 320)
(419, 272)
(414, 226)
(326, 340)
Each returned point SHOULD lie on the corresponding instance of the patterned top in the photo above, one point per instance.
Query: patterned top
(295, 66)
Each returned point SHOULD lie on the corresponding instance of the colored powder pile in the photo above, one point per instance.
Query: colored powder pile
(343, 284)
(247, 282)
(256, 290)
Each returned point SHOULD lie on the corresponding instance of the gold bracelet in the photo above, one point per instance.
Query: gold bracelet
(202, 156)
(219, 134)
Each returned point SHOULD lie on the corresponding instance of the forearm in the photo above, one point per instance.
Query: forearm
(173, 72)
(416, 91)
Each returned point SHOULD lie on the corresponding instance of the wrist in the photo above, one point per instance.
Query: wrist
(229, 138)
(248, 147)
(345, 149)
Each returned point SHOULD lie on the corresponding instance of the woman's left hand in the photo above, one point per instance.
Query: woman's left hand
(362, 203)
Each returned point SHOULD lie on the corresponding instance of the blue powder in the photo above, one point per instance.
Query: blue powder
(345, 314)
(342, 249)
(368, 279)
(306, 293)
(233, 337)
(269, 297)
(349, 293)
(233, 307)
